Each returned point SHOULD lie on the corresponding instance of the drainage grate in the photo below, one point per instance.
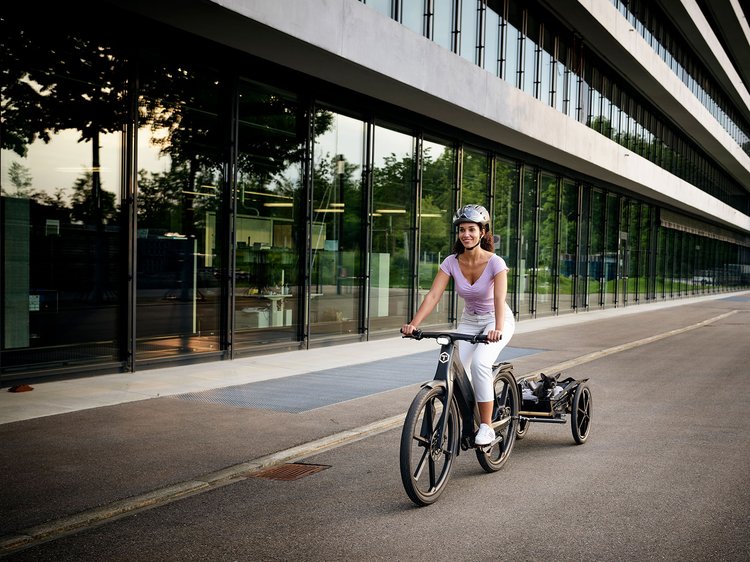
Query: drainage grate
(290, 471)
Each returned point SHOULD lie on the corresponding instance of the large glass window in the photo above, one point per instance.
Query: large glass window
(506, 219)
(382, 6)
(661, 262)
(546, 275)
(413, 15)
(180, 193)
(492, 38)
(443, 27)
(63, 120)
(528, 250)
(531, 51)
(584, 248)
(598, 267)
(613, 257)
(512, 41)
(337, 223)
(560, 75)
(392, 229)
(270, 204)
(436, 233)
(469, 28)
(568, 245)
(474, 178)
(546, 65)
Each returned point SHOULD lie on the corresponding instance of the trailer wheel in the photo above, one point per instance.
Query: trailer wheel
(580, 418)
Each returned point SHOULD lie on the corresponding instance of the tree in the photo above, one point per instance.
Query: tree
(20, 177)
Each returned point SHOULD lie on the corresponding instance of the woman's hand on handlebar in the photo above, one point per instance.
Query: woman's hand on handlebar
(494, 335)
(408, 329)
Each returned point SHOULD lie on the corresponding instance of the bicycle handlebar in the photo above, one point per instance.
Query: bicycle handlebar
(418, 334)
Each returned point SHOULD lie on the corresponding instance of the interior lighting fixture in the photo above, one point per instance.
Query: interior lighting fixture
(199, 193)
(267, 194)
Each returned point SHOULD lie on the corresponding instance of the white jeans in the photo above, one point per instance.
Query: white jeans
(478, 358)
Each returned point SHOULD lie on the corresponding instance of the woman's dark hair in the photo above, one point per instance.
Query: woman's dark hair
(486, 242)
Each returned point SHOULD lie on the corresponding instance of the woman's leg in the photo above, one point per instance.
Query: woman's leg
(483, 358)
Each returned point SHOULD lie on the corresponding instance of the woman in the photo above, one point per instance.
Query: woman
(481, 279)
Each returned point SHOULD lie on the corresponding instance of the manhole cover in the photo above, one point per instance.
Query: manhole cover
(290, 471)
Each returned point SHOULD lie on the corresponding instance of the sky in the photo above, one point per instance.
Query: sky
(63, 160)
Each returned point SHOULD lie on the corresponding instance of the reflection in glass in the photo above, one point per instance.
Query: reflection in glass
(568, 245)
(584, 248)
(634, 285)
(269, 206)
(645, 273)
(61, 194)
(336, 261)
(512, 42)
(412, 15)
(530, 76)
(474, 178)
(661, 263)
(560, 76)
(442, 23)
(492, 41)
(596, 249)
(436, 232)
(179, 194)
(505, 219)
(528, 256)
(392, 228)
(545, 267)
(612, 255)
(382, 6)
(469, 22)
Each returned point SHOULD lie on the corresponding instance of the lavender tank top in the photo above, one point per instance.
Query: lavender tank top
(479, 297)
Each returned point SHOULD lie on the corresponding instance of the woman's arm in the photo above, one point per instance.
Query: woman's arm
(431, 299)
(500, 293)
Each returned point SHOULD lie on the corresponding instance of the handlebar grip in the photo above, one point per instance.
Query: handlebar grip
(416, 334)
(482, 338)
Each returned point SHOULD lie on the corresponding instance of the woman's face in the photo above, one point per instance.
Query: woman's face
(469, 234)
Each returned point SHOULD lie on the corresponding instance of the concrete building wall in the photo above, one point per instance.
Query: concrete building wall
(349, 44)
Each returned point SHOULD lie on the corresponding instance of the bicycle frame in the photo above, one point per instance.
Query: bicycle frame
(450, 372)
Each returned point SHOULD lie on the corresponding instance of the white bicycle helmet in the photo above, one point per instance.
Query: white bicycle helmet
(472, 213)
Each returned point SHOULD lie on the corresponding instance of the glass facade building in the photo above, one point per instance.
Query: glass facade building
(201, 184)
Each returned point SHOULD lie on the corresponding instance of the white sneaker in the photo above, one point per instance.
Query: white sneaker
(484, 436)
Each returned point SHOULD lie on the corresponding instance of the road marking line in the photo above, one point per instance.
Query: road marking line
(624, 347)
(89, 518)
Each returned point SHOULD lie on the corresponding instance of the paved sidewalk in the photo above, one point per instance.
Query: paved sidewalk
(84, 450)
(65, 396)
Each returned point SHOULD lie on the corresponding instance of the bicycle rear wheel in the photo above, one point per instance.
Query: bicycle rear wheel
(505, 422)
(427, 453)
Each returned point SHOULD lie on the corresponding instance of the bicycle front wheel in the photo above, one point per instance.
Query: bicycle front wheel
(504, 421)
(428, 452)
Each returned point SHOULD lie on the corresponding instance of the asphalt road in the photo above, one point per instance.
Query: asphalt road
(664, 476)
